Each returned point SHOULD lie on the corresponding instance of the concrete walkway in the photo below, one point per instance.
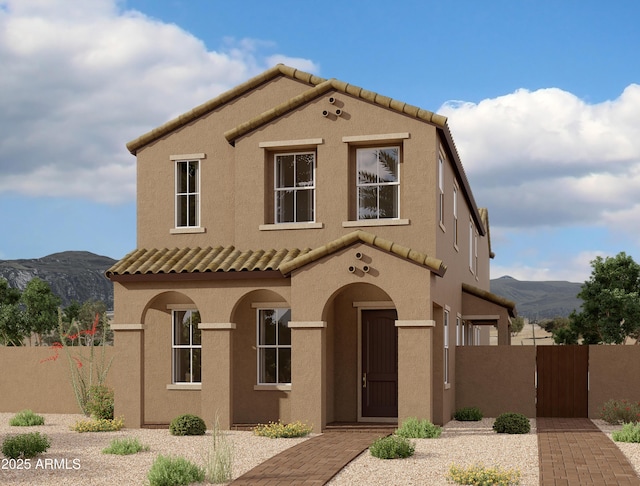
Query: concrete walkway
(314, 461)
(575, 452)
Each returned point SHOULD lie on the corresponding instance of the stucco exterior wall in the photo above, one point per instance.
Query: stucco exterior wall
(496, 379)
(613, 374)
(29, 382)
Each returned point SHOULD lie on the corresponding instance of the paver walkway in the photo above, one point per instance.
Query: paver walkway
(314, 461)
(577, 452)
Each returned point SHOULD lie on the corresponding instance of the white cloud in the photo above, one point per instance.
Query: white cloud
(81, 80)
(572, 269)
(548, 158)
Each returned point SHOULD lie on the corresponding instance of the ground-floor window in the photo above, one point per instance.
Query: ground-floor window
(187, 347)
(274, 346)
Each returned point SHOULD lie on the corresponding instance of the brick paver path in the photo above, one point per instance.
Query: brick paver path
(576, 452)
(314, 461)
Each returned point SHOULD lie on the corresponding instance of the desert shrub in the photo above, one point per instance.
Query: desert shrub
(392, 447)
(468, 414)
(24, 446)
(481, 475)
(276, 430)
(171, 471)
(512, 423)
(219, 459)
(125, 447)
(629, 433)
(412, 428)
(100, 402)
(187, 424)
(26, 418)
(620, 411)
(98, 425)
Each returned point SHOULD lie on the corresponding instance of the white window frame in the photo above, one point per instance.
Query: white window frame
(471, 259)
(295, 188)
(441, 189)
(191, 346)
(378, 184)
(446, 346)
(277, 346)
(455, 217)
(196, 193)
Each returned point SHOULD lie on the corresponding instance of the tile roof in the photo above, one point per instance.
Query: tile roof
(229, 259)
(493, 298)
(340, 86)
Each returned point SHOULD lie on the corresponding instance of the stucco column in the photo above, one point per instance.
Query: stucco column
(308, 373)
(504, 336)
(415, 369)
(216, 394)
(127, 373)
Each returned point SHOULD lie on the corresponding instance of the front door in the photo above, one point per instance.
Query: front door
(379, 381)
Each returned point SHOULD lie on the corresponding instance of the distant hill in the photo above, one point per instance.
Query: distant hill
(72, 275)
(539, 300)
(79, 275)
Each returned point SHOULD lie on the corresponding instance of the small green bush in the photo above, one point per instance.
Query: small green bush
(479, 475)
(24, 446)
(187, 424)
(468, 414)
(278, 430)
(620, 412)
(100, 402)
(172, 471)
(629, 433)
(512, 423)
(125, 447)
(412, 428)
(26, 418)
(98, 425)
(392, 447)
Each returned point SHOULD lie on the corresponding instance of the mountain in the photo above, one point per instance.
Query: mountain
(539, 300)
(72, 275)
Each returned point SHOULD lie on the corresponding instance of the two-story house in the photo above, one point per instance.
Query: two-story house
(306, 250)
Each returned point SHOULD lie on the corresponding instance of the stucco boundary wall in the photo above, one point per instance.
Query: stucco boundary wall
(32, 379)
(500, 379)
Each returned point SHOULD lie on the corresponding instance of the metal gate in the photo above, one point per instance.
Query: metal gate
(562, 381)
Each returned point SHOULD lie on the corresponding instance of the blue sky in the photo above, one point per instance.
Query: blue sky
(542, 99)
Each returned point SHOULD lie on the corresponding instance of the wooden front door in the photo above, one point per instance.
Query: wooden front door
(563, 381)
(379, 381)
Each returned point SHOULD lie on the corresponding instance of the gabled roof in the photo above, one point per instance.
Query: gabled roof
(342, 87)
(489, 297)
(226, 259)
(318, 86)
(209, 106)
(433, 264)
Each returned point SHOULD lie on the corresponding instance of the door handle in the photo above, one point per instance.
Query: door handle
(364, 380)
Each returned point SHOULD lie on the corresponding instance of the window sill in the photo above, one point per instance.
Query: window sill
(290, 226)
(272, 387)
(180, 231)
(442, 227)
(185, 386)
(447, 386)
(375, 222)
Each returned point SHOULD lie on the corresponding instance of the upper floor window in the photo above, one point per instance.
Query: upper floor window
(378, 182)
(187, 193)
(295, 189)
(455, 216)
(441, 188)
(446, 346)
(274, 346)
(187, 347)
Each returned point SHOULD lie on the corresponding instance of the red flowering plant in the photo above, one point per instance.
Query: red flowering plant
(620, 412)
(88, 368)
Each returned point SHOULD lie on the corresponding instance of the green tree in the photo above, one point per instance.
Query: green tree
(517, 324)
(40, 308)
(12, 324)
(611, 303)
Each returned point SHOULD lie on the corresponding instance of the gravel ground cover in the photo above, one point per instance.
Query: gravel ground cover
(77, 459)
